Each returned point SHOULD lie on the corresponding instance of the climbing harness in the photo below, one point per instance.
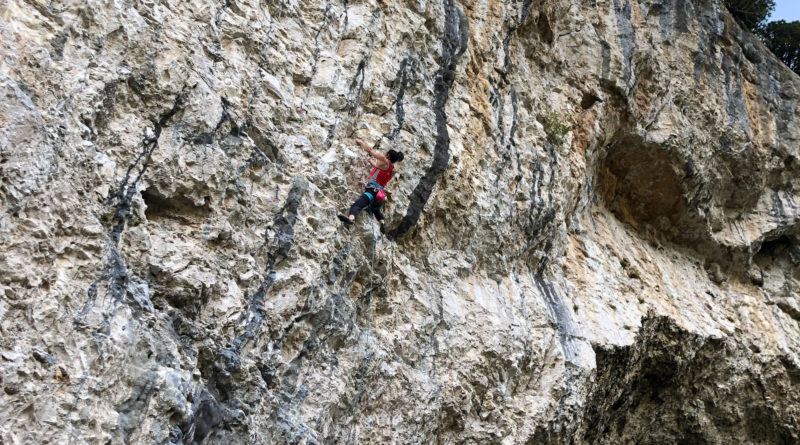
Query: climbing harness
(380, 194)
(378, 198)
(367, 356)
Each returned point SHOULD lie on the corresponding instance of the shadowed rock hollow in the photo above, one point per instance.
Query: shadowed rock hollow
(673, 386)
(593, 237)
(641, 186)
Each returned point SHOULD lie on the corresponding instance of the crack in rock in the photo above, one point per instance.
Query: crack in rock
(454, 44)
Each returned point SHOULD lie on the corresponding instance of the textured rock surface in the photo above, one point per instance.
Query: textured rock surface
(593, 237)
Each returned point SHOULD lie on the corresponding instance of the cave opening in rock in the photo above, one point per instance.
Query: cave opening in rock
(588, 100)
(782, 246)
(174, 207)
(641, 183)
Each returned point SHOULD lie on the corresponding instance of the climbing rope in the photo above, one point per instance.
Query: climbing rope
(367, 356)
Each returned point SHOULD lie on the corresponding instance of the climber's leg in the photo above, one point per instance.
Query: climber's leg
(379, 216)
(361, 203)
(377, 212)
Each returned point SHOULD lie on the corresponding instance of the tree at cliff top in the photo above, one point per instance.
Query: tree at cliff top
(783, 39)
(751, 13)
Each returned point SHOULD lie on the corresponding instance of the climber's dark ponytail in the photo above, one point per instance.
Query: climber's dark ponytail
(394, 156)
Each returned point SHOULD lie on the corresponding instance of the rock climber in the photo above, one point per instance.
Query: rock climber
(374, 193)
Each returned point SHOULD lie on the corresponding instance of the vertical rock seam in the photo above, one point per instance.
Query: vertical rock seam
(126, 191)
(215, 405)
(454, 43)
(408, 64)
(283, 224)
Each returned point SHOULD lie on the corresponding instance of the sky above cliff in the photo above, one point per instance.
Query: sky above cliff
(788, 10)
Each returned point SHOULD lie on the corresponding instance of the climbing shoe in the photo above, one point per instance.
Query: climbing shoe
(345, 220)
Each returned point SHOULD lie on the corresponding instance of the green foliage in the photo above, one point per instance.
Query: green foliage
(554, 127)
(106, 218)
(632, 272)
(751, 13)
(783, 39)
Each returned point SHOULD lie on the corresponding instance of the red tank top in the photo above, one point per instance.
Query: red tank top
(381, 177)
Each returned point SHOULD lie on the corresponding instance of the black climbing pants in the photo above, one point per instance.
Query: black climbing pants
(363, 202)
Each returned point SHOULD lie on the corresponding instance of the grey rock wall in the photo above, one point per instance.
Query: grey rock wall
(592, 237)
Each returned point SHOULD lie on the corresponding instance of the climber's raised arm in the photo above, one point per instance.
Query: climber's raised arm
(381, 162)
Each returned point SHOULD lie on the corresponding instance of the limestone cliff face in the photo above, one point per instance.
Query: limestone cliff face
(592, 238)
